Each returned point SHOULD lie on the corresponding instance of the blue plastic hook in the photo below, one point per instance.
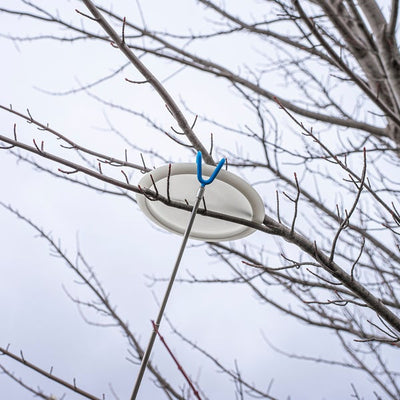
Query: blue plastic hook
(214, 174)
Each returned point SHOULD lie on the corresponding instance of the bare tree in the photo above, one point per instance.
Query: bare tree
(320, 139)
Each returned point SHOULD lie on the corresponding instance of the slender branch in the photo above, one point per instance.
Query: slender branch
(346, 220)
(72, 144)
(345, 68)
(188, 380)
(194, 61)
(101, 304)
(160, 89)
(49, 375)
(394, 13)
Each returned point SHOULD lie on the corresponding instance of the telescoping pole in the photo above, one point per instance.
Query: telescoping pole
(186, 235)
(147, 353)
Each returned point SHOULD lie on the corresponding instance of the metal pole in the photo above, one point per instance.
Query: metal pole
(147, 353)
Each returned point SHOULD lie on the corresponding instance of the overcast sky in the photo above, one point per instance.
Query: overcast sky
(124, 248)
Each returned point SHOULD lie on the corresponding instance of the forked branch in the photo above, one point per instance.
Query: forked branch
(149, 77)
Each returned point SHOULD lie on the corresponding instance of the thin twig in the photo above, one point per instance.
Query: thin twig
(48, 375)
(188, 380)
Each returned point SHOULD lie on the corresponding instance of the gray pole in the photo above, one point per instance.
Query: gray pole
(147, 353)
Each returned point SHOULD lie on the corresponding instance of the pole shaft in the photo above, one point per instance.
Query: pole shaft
(147, 353)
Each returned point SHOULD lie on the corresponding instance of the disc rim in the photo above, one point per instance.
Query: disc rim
(251, 195)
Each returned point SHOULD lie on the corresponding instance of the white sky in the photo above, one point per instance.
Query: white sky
(119, 241)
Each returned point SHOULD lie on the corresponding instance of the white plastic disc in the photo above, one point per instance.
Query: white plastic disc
(227, 194)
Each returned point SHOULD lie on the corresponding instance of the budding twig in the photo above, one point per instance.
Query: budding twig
(196, 393)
